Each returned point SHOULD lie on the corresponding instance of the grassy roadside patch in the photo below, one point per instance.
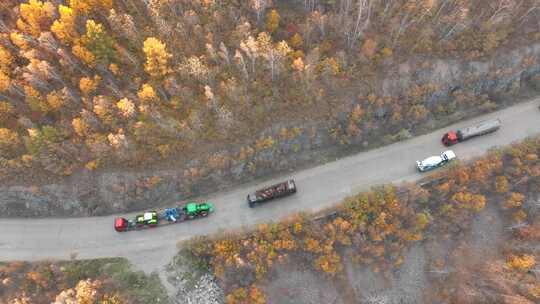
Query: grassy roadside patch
(110, 280)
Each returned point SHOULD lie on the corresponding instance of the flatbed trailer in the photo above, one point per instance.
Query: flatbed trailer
(481, 128)
(151, 219)
(275, 191)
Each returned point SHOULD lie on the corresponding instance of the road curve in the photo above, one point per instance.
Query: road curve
(318, 188)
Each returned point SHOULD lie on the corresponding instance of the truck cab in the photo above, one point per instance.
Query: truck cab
(450, 138)
(121, 224)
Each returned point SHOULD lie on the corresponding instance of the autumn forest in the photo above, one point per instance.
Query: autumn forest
(96, 84)
(220, 91)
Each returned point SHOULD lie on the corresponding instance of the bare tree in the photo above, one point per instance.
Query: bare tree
(224, 53)
(242, 63)
(124, 24)
(250, 48)
(529, 11)
(40, 73)
(259, 6)
(503, 9)
(354, 24)
(274, 55)
(320, 21)
(3, 27)
(309, 5)
(387, 7)
(460, 17)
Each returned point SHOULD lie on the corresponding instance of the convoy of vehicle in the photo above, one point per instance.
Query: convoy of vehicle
(195, 210)
(481, 128)
(151, 219)
(275, 191)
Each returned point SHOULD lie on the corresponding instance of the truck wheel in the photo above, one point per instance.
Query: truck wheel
(204, 213)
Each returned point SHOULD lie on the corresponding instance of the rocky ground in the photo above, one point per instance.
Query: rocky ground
(189, 284)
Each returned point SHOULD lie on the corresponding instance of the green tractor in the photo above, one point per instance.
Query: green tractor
(149, 219)
(193, 210)
(170, 215)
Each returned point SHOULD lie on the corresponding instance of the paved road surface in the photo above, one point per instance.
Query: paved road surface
(318, 188)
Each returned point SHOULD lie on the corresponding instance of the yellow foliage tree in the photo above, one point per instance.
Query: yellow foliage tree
(521, 263)
(238, 296)
(386, 52)
(466, 200)
(330, 66)
(21, 300)
(514, 200)
(6, 59)
(55, 100)
(330, 263)
(461, 175)
(87, 291)
(19, 40)
(92, 165)
(264, 143)
(113, 67)
(312, 245)
(84, 54)
(104, 109)
(519, 216)
(111, 299)
(195, 67)
(97, 41)
(256, 296)
(535, 291)
(89, 85)
(35, 16)
(242, 296)
(298, 64)
(147, 93)
(501, 184)
(87, 6)
(35, 101)
(272, 21)
(126, 107)
(157, 57)
(357, 113)
(421, 221)
(9, 141)
(80, 126)
(65, 28)
(5, 82)
(296, 41)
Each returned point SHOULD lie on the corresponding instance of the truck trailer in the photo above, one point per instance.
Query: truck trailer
(481, 128)
(275, 191)
(154, 218)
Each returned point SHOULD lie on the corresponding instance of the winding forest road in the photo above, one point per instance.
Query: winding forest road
(318, 188)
